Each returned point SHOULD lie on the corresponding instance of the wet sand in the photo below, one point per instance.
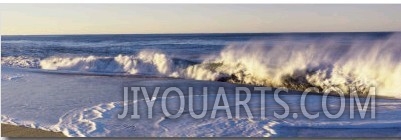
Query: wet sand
(20, 131)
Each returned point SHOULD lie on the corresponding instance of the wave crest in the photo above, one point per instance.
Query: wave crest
(146, 62)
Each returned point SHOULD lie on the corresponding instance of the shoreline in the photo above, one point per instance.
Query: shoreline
(8, 130)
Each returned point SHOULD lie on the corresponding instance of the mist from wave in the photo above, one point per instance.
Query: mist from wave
(322, 64)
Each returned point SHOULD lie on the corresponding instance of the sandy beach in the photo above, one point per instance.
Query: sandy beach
(19, 131)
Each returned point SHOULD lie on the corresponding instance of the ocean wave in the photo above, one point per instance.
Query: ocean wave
(98, 44)
(295, 65)
(20, 61)
(145, 62)
(321, 64)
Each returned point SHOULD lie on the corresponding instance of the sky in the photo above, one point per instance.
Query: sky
(26, 19)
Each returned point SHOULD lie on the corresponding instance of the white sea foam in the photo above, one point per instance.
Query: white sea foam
(20, 61)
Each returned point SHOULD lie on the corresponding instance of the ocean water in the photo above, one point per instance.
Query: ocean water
(74, 83)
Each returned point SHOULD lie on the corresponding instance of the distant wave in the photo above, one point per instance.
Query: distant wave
(295, 65)
(20, 61)
(79, 44)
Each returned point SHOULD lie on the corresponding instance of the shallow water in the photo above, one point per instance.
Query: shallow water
(81, 105)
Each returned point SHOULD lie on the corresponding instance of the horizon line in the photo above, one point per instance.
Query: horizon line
(202, 33)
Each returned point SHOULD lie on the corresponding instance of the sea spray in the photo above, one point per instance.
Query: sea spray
(322, 64)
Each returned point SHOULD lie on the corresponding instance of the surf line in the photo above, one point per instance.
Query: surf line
(242, 98)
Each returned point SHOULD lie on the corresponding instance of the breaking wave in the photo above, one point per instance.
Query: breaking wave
(291, 64)
(322, 64)
(20, 61)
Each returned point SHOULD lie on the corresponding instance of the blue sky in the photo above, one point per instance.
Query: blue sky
(195, 18)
